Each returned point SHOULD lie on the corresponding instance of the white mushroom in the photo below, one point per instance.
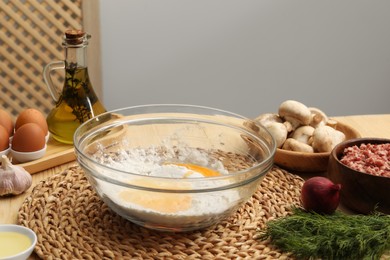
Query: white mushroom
(267, 118)
(290, 127)
(332, 123)
(294, 145)
(319, 118)
(303, 134)
(278, 131)
(325, 138)
(295, 113)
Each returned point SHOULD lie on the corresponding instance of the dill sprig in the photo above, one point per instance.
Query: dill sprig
(336, 236)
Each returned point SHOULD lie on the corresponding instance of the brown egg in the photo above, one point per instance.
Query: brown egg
(31, 115)
(4, 139)
(28, 138)
(6, 122)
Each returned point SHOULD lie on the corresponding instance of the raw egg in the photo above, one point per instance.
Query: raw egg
(193, 169)
(166, 202)
(161, 202)
(6, 122)
(28, 138)
(31, 115)
(4, 139)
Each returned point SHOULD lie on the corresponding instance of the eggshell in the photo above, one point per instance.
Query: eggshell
(4, 139)
(28, 138)
(31, 115)
(7, 122)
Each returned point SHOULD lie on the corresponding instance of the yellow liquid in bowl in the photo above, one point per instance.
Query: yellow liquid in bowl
(165, 202)
(12, 243)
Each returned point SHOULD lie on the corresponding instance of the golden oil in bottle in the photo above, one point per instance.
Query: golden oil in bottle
(77, 102)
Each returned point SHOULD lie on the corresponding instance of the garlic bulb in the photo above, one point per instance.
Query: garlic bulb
(13, 179)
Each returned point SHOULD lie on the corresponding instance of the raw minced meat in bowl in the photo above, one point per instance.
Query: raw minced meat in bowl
(362, 167)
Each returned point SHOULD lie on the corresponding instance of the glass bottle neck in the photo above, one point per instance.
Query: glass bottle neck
(76, 57)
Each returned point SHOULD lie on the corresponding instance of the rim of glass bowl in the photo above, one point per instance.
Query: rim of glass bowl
(266, 164)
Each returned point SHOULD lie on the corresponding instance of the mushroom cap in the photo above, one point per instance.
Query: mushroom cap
(295, 112)
(278, 131)
(325, 138)
(267, 118)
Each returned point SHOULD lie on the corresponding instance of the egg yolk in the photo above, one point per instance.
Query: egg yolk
(158, 201)
(192, 168)
(165, 202)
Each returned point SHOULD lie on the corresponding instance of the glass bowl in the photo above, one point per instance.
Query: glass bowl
(174, 167)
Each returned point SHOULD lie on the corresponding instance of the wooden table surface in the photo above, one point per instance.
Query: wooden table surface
(367, 125)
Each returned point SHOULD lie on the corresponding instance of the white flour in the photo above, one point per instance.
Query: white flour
(146, 161)
(167, 209)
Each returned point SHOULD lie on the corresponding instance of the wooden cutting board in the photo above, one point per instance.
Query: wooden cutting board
(56, 154)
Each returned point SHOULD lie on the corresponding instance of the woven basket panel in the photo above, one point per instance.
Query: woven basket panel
(30, 37)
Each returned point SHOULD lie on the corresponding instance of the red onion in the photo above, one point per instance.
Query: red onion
(321, 195)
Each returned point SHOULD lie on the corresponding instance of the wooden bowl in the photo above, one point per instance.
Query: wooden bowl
(310, 162)
(361, 192)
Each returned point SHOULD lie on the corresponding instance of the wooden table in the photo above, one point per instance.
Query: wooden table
(367, 125)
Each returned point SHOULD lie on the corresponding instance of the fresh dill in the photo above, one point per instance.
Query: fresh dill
(336, 236)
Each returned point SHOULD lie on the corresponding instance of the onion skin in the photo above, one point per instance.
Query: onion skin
(321, 195)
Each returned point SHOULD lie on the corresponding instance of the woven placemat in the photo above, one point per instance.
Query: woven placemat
(71, 222)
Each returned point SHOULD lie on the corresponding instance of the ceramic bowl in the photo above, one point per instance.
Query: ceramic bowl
(5, 152)
(47, 136)
(310, 162)
(360, 192)
(17, 242)
(22, 157)
(173, 167)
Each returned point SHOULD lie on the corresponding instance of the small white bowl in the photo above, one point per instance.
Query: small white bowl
(22, 157)
(47, 136)
(5, 152)
(11, 235)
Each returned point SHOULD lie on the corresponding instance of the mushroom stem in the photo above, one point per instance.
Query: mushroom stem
(294, 145)
(319, 118)
(304, 134)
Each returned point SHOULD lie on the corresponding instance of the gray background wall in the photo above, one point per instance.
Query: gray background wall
(247, 56)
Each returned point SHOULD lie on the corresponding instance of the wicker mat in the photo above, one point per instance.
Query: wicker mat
(71, 222)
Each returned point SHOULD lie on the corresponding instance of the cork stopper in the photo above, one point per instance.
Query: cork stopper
(75, 37)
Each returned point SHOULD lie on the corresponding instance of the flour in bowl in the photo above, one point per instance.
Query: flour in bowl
(176, 169)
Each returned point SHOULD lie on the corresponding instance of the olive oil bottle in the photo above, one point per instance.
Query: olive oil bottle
(77, 101)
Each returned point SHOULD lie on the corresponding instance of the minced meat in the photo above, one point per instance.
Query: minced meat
(369, 158)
